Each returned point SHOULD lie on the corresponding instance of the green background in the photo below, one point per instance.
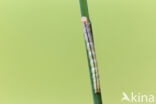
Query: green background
(43, 58)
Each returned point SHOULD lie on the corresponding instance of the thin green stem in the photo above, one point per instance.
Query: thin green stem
(84, 13)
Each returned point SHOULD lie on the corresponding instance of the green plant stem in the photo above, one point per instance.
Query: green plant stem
(84, 12)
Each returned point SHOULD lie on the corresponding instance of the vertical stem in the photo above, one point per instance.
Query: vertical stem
(84, 13)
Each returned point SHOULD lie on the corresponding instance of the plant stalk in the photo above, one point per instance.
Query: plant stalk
(90, 49)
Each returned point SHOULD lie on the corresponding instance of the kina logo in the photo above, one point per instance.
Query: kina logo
(137, 98)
